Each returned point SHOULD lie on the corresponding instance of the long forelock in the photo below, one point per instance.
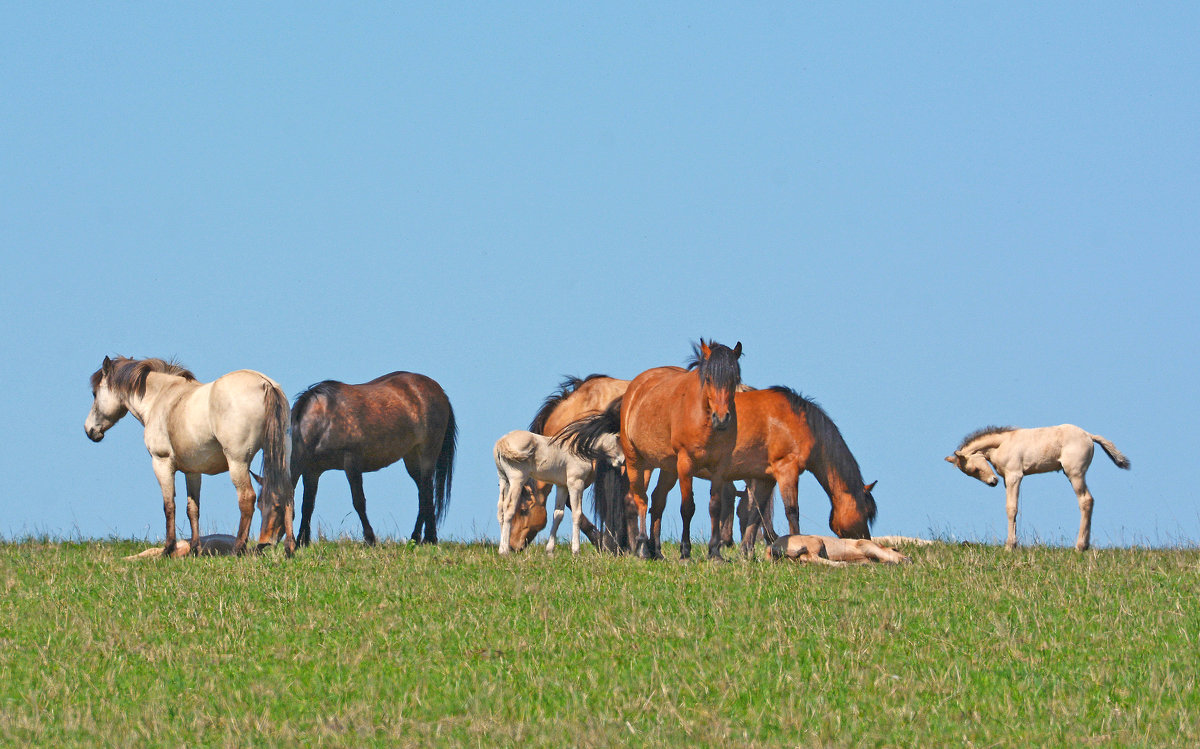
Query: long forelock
(984, 432)
(720, 367)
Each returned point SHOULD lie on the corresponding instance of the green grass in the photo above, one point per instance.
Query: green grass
(401, 645)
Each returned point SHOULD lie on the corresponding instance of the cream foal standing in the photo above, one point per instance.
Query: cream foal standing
(521, 456)
(1016, 453)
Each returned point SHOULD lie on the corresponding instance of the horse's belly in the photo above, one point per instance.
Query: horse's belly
(208, 462)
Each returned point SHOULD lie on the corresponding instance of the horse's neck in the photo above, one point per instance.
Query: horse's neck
(160, 389)
(986, 444)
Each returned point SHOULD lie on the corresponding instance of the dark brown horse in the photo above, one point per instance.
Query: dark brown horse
(682, 422)
(362, 428)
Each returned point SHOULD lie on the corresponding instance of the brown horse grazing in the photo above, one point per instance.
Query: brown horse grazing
(362, 428)
(835, 552)
(200, 428)
(780, 434)
(574, 400)
(682, 422)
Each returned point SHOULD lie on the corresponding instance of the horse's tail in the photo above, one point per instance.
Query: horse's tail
(443, 472)
(580, 436)
(608, 504)
(508, 452)
(277, 448)
(1117, 456)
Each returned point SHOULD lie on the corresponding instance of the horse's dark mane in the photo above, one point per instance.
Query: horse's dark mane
(720, 368)
(568, 386)
(322, 388)
(128, 376)
(990, 429)
(829, 450)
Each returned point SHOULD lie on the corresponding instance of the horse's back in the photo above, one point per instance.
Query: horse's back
(592, 397)
(650, 416)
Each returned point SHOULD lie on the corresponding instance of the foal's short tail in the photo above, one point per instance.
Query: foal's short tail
(277, 447)
(1117, 456)
(443, 472)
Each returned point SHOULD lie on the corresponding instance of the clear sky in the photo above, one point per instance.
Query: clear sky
(928, 217)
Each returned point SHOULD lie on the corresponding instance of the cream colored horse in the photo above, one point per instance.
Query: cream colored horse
(1016, 453)
(832, 551)
(215, 545)
(203, 428)
(521, 456)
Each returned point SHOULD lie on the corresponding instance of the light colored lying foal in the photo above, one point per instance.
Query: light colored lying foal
(835, 552)
(215, 545)
(521, 456)
(1016, 453)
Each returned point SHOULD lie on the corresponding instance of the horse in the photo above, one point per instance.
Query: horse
(834, 552)
(362, 428)
(1016, 453)
(780, 434)
(574, 399)
(521, 456)
(679, 421)
(203, 428)
(214, 545)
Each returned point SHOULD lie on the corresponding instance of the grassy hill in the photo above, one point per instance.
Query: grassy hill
(401, 645)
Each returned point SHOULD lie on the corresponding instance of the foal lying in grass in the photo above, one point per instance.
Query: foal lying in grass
(215, 545)
(835, 552)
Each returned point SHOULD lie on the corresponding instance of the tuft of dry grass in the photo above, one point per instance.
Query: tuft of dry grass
(404, 645)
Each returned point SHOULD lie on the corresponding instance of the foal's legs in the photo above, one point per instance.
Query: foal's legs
(1012, 489)
(575, 487)
(560, 502)
(506, 507)
(306, 509)
(1085, 511)
(164, 471)
(193, 507)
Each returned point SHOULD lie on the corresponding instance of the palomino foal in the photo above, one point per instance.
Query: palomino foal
(521, 456)
(835, 552)
(1016, 453)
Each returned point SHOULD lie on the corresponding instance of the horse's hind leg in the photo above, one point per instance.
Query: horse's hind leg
(1085, 512)
(192, 480)
(240, 474)
(658, 502)
(423, 477)
(311, 479)
(354, 476)
(560, 502)
(164, 471)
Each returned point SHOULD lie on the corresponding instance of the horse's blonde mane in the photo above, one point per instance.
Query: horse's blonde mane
(985, 431)
(128, 376)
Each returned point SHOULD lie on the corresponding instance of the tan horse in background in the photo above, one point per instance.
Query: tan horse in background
(1016, 453)
(203, 428)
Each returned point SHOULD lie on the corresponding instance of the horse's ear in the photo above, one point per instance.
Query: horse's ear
(106, 367)
(705, 349)
(737, 350)
(950, 459)
(870, 487)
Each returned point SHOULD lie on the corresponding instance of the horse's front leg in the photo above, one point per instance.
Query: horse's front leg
(687, 505)
(164, 471)
(192, 480)
(560, 503)
(1085, 512)
(1012, 490)
(716, 504)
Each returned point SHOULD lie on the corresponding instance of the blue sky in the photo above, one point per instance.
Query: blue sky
(927, 218)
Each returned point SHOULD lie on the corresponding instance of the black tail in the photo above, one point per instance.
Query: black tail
(443, 473)
(276, 481)
(580, 436)
(608, 508)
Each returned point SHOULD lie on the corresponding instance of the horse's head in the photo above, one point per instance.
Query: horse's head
(107, 405)
(720, 374)
(529, 520)
(975, 465)
(610, 445)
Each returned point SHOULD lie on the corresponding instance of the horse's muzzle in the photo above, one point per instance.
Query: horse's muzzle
(95, 435)
(993, 481)
(722, 424)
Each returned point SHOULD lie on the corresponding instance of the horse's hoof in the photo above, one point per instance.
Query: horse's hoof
(643, 548)
(717, 559)
(261, 548)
